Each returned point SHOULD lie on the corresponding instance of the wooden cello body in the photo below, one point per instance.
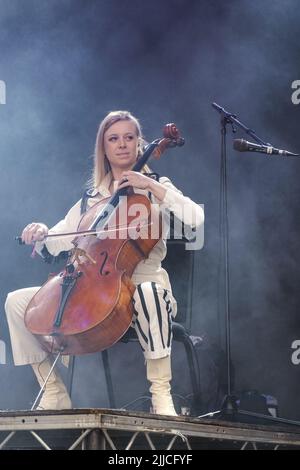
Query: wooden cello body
(98, 308)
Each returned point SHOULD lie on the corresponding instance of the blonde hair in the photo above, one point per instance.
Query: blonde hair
(101, 163)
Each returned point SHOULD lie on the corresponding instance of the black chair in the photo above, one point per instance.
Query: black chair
(179, 263)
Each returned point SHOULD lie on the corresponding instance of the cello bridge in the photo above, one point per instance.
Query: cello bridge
(79, 253)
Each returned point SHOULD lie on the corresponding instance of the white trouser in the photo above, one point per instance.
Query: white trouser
(152, 321)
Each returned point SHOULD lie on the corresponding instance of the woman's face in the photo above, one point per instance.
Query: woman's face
(121, 144)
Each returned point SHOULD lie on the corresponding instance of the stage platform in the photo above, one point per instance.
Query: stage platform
(118, 430)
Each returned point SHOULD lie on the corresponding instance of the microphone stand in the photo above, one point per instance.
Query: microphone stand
(229, 408)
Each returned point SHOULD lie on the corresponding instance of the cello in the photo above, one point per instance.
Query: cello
(88, 307)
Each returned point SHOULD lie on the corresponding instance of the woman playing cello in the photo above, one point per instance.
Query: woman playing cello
(119, 144)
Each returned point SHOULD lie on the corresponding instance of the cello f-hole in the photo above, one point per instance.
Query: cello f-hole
(101, 270)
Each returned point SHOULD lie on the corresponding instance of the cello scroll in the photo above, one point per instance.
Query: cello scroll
(171, 138)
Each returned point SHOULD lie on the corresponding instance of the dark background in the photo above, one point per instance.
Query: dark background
(66, 63)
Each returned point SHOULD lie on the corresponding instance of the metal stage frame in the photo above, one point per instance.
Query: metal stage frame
(107, 429)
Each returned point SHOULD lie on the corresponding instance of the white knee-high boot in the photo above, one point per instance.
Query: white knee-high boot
(55, 396)
(159, 374)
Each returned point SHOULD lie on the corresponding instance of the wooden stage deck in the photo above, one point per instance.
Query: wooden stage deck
(119, 430)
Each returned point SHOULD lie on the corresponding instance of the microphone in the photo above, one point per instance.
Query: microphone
(243, 146)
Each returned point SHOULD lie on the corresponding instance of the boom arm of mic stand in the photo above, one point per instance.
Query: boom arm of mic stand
(233, 120)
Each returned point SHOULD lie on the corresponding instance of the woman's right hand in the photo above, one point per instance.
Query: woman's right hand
(34, 232)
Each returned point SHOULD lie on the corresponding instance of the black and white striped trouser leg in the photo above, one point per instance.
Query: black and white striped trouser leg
(153, 311)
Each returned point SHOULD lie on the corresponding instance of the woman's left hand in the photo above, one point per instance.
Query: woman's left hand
(135, 179)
